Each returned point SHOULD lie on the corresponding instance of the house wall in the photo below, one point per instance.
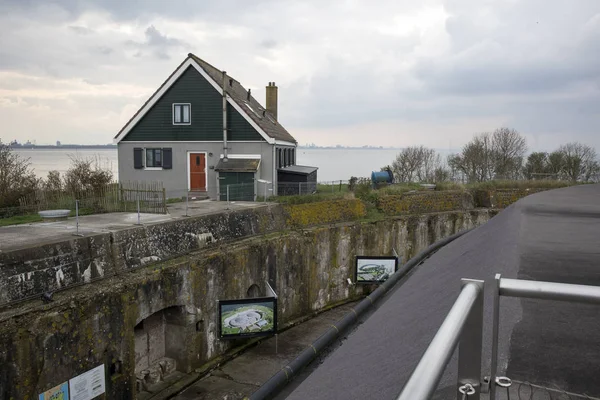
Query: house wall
(176, 180)
(206, 115)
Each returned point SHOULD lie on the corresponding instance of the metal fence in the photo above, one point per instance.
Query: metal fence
(147, 197)
(305, 188)
(464, 324)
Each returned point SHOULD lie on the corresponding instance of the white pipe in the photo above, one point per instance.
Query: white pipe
(224, 116)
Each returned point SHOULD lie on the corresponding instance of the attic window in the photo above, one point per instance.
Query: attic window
(252, 109)
(182, 113)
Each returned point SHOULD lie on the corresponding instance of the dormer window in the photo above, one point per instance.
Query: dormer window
(182, 113)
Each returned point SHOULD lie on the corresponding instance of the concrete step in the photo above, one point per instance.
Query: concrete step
(194, 196)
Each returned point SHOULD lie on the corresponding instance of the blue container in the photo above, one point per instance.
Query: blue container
(382, 177)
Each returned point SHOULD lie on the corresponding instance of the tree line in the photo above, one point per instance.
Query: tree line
(498, 155)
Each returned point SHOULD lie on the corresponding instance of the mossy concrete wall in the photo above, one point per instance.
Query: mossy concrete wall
(43, 345)
(502, 198)
(425, 202)
(53, 266)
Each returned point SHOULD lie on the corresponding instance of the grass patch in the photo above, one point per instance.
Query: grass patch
(537, 184)
(172, 200)
(333, 188)
(20, 219)
(373, 214)
(309, 198)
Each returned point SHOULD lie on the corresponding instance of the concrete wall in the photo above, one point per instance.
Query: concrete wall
(52, 266)
(176, 180)
(45, 345)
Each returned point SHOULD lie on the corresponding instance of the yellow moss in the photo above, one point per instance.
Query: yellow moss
(301, 215)
(424, 202)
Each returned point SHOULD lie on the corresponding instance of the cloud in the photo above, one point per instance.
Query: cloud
(157, 43)
(388, 73)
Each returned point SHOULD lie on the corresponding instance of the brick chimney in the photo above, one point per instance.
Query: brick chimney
(272, 99)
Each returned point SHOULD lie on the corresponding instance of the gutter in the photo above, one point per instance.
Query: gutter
(284, 376)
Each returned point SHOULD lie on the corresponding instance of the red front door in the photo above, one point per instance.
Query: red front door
(197, 171)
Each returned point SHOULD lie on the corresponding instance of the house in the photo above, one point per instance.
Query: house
(202, 133)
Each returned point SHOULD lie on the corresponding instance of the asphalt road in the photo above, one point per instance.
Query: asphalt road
(551, 236)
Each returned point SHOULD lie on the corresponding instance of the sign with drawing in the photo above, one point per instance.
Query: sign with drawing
(88, 385)
(375, 269)
(60, 392)
(247, 317)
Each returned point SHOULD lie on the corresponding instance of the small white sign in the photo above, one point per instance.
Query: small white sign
(88, 385)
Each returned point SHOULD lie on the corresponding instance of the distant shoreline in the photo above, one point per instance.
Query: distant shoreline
(114, 146)
(65, 146)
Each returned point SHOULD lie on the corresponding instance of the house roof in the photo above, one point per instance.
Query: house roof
(251, 109)
(238, 165)
(298, 169)
(240, 95)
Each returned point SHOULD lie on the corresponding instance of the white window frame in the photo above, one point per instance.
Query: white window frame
(173, 113)
(146, 168)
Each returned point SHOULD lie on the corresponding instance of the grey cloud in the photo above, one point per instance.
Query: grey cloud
(81, 30)
(268, 43)
(158, 43)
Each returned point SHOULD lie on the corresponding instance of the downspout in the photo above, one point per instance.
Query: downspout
(224, 116)
(274, 170)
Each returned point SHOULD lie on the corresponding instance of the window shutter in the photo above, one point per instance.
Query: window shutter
(167, 158)
(138, 158)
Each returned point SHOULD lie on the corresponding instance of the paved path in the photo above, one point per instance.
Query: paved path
(553, 236)
(27, 235)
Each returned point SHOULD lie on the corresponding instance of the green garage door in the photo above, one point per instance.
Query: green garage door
(241, 186)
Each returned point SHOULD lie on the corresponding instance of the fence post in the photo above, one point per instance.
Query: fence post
(77, 217)
(470, 345)
(164, 201)
(340, 185)
(266, 187)
(227, 194)
(299, 187)
(187, 200)
(138, 209)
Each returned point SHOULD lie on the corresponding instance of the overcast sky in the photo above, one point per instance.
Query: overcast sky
(385, 72)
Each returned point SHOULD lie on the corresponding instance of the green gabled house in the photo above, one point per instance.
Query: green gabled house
(201, 131)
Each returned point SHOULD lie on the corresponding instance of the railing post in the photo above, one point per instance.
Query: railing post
(138, 209)
(470, 345)
(495, 328)
(427, 375)
(187, 201)
(77, 217)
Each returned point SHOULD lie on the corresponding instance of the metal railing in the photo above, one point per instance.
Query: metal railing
(464, 325)
(532, 290)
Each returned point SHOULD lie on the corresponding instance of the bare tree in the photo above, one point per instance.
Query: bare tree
(536, 165)
(579, 162)
(416, 164)
(86, 174)
(476, 160)
(508, 149)
(407, 164)
(16, 177)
